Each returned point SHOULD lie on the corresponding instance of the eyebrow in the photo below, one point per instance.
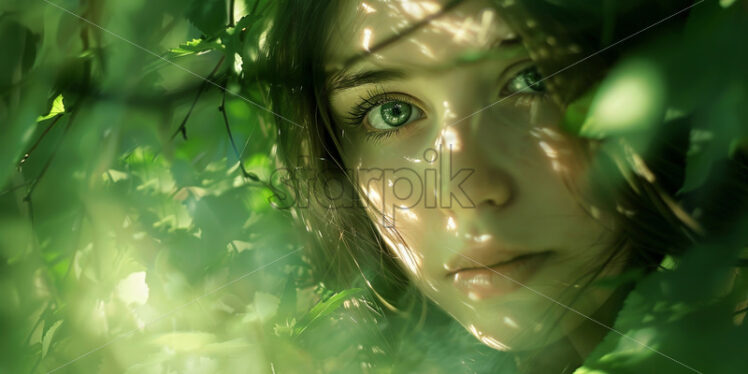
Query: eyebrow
(341, 82)
(344, 82)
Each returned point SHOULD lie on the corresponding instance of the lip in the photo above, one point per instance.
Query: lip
(484, 254)
(500, 278)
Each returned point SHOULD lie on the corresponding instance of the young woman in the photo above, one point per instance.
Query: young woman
(425, 148)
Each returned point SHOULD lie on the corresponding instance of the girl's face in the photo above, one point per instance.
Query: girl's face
(467, 175)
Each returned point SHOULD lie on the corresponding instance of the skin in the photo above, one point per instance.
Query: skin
(518, 197)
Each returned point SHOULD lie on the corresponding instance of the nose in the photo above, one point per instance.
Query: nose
(474, 177)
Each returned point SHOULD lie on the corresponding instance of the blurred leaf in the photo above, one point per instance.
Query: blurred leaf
(324, 309)
(195, 46)
(184, 341)
(576, 113)
(711, 144)
(48, 336)
(133, 289)
(265, 306)
(57, 108)
(210, 16)
(630, 100)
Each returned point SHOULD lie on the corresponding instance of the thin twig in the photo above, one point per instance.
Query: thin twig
(27, 198)
(222, 109)
(38, 140)
(182, 129)
(231, 13)
(251, 176)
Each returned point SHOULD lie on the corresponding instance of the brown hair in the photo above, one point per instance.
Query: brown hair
(344, 247)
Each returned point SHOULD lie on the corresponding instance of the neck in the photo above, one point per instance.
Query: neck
(568, 353)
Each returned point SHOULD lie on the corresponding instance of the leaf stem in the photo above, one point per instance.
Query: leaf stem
(182, 129)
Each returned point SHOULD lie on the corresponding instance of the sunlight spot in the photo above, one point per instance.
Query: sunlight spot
(366, 39)
(474, 296)
(510, 322)
(133, 289)
(487, 340)
(486, 20)
(239, 246)
(409, 214)
(451, 225)
(557, 166)
(263, 36)
(473, 330)
(432, 286)
(450, 138)
(368, 8)
(549, 151)
(448, 114)
(420, 9)
(238, 63)
(482, 238)
(425, 50)
(412, 262)
(493, 343)
(374, 196)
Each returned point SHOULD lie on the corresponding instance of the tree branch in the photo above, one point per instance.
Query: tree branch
(222, 109)
(182, 129)
(231, 13)
(27, 198)
(38, 140)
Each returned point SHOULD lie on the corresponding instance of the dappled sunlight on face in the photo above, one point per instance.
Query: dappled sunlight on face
(467, 176)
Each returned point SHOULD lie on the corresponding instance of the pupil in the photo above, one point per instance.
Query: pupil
(532, 79)
(395, 113)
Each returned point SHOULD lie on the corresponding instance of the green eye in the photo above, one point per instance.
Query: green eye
(527, 81)
(393, 114)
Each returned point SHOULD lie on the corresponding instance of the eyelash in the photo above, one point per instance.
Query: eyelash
(357, 114)
(378, 96)
(369, 101)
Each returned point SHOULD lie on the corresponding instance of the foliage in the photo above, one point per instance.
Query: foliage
(136, 233)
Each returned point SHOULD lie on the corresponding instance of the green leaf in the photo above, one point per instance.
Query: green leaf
(265, 305)
(58, 107)
(325, 308)
(47, 340)
(208, 15)
(576, 113)
(195, 46)
(630, 100)
(714, 143)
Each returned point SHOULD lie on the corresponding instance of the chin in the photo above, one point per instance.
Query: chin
(527, 325)
(506, 334)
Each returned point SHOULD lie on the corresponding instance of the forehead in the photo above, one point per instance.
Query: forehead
(471, 25)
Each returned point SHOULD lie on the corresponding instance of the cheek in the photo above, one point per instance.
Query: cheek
(392, 194)
(556, 160)
(400, 197)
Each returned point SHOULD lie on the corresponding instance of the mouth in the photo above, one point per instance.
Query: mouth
(482, 282)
